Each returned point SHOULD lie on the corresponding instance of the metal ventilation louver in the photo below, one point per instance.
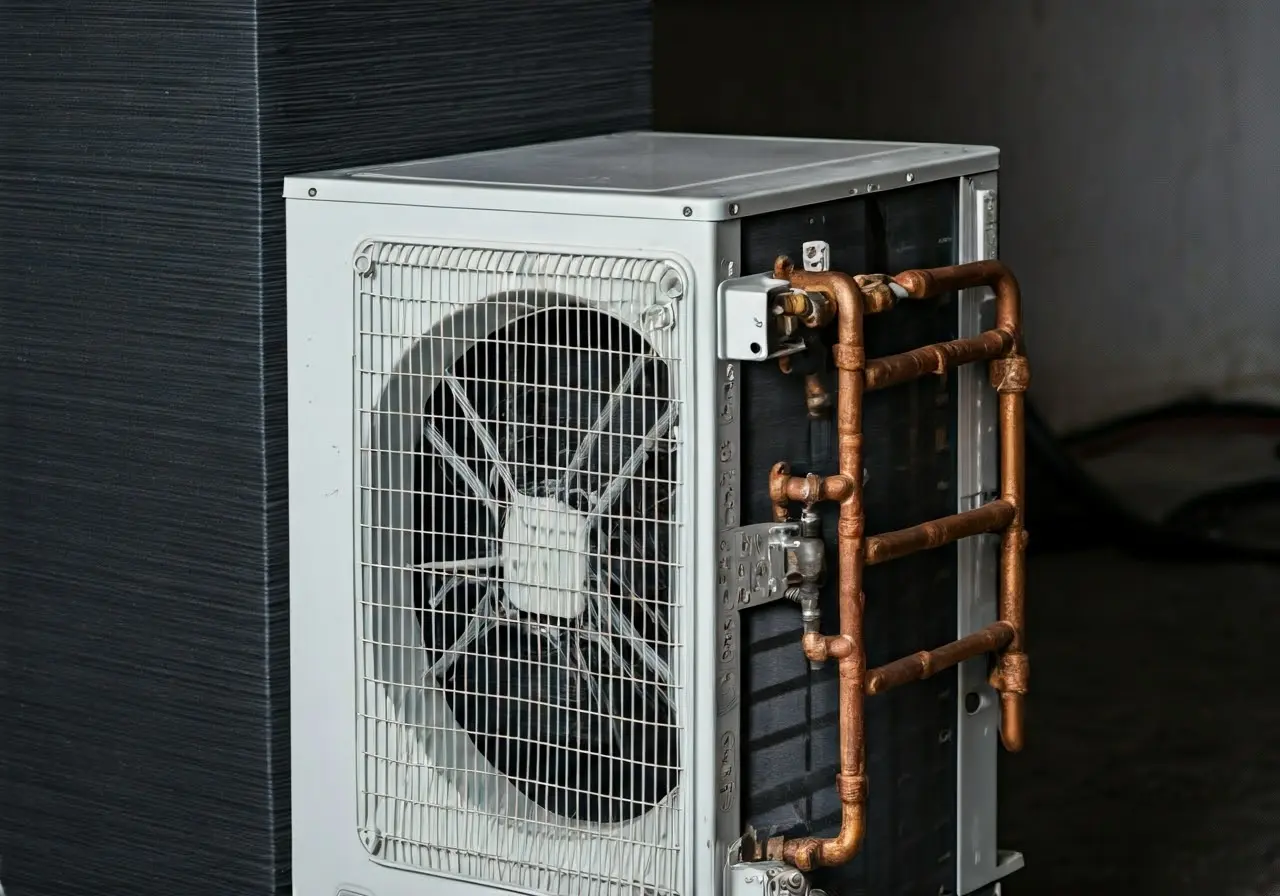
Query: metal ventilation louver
(520, 556)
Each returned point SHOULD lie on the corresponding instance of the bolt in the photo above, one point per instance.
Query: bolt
(910, 177)
(733, 208)
(688, 212)
(671, 286)
(372, 840)
(311, 192)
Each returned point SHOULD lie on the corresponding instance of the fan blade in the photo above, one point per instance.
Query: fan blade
(609, 496)
(659, 624)
(621, 627)
(480, 624)
(483, 436)
(605, 417)
(527, 711)
(463, 564)
(600, 696)
(461, 469)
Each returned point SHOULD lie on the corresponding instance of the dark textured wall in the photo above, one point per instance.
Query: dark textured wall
(143, 534)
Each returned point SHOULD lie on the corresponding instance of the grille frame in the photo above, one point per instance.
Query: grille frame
(642, 291)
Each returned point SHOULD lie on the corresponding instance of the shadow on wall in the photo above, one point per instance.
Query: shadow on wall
(1137, 138)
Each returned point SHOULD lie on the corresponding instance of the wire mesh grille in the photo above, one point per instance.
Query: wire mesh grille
(520, 546)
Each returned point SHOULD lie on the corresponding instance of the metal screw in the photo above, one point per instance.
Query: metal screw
(311, 192)
(372, 840)
(671, 286)
(688, 212)
(733, 208)
(910, 177)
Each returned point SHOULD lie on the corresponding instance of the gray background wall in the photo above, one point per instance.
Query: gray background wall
(1140, 190)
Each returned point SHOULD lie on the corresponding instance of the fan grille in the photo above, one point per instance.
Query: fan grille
(520, 555)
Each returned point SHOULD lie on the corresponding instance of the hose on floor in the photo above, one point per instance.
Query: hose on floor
(1069, 509)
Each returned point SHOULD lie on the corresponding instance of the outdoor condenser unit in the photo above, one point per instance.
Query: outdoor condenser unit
(652, 531)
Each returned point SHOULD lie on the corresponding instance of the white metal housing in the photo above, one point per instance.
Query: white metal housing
(643, 227)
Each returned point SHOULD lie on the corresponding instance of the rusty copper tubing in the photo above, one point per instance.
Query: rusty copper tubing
(816, 399)
(808, 490)
(807, 853)
(1010, 377)
(937, 359)
(927, 663)
(992, 517)
(928, 284)
(813, 312)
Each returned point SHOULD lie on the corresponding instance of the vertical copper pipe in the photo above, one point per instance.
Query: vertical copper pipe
(846, 648)
(1010, 676)
(1010, 376)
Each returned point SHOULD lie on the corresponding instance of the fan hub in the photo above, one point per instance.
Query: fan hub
(544, 557)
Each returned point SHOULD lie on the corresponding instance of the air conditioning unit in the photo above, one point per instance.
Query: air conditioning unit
(606, 457)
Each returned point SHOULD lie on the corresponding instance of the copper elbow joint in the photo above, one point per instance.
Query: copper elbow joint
(808, 853)
(821, 648)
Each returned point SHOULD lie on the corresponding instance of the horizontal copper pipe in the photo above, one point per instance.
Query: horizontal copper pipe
(927, 663)
(808, 490)
(931, 283)
(990, 517)
(937, 359)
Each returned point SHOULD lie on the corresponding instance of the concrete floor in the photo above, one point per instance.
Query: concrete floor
(1153, 760)
(1153, 756)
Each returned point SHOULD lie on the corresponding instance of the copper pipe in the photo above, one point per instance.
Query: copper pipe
(808, 490)
(927, 663)
(853, 298)
(814, 311)
(1010, 376)
(816, 398)
(928, 284)
(991, 517)
(937, 359)
(807, 853)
